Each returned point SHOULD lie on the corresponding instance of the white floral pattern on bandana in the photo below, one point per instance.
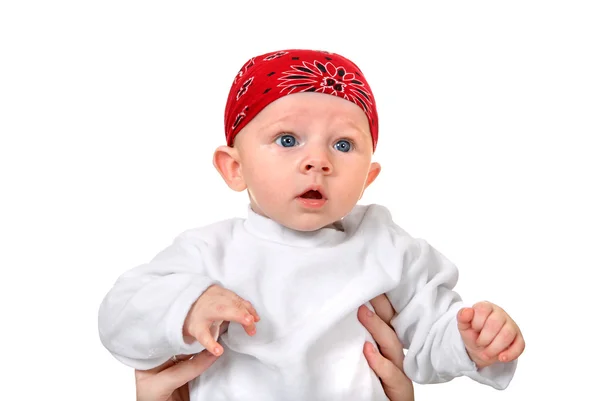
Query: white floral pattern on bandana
(275, 55)
(244, 69)
(244, 88)
(238, 119)
(316, 77)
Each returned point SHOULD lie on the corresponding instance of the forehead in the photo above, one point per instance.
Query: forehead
(301, 107)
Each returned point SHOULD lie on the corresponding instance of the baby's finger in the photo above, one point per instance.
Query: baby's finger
(482, 311)
(502, 341)
(247, 322)
(464, 317)
(242, 316)
(250, 330)
(491, 328)
(514, 351)
(233, 312)
(206, 339)
(252, 311)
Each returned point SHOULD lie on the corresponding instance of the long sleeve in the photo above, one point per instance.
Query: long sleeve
(426, 320)
(140, 320)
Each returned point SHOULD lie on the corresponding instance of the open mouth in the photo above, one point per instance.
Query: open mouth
(311, 194)
(313, 198)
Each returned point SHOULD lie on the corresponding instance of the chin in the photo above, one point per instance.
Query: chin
(306, 228)
(308, 223)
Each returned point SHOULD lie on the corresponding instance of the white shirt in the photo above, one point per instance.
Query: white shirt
(306, 287)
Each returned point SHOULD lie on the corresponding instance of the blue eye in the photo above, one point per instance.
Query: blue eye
(343, 146)
(287, 141)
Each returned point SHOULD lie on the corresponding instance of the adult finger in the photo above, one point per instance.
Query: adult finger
(156, 370)
(383, 308)
(383, 367)
(385, 337)
(396, 385)
(181, 373)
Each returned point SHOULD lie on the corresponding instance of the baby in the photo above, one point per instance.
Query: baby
(301, 127)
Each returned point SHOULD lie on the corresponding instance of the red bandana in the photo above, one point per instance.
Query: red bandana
(266, 78)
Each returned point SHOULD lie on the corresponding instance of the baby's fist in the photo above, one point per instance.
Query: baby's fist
(489, 334)
(214, 306)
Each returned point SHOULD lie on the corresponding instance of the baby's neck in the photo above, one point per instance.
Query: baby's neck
(336, 225)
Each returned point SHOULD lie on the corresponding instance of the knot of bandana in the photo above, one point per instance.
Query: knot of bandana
(268, 77)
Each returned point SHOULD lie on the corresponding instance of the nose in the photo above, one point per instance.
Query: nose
(317, 164)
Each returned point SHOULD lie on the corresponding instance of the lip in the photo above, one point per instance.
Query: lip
(317, 188)
(312, 203)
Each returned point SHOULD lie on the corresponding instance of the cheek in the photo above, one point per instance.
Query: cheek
(355, 173)
(268, 178)
(353, 182)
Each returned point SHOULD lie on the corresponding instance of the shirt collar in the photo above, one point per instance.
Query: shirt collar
(270, 230)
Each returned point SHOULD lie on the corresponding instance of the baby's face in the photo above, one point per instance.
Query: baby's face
(306, 159)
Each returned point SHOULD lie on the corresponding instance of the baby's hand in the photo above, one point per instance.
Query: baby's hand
(215, 305)
(489, 334)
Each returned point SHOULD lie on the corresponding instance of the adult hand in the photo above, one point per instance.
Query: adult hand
(387, 365)
(169, 381)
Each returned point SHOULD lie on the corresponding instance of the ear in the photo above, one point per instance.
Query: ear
(374, 171)
(227, 162)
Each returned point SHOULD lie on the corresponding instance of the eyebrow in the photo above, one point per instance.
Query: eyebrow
(350, 122)
(283, 119)
(345, 121)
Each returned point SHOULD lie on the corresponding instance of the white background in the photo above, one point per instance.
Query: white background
(110, 112)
